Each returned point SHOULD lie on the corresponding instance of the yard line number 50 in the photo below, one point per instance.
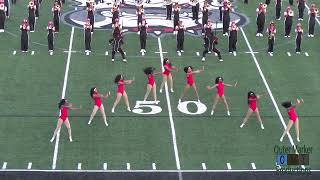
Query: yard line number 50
(142, 107)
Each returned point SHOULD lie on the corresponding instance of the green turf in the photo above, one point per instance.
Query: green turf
(32, 86)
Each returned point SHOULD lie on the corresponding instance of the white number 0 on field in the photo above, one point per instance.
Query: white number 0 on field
(183, 107)
(142, 107)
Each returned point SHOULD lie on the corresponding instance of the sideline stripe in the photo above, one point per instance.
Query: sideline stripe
(173, 131)
(269, 90)
(56, 146)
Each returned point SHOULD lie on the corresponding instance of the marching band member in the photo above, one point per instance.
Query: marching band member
(261, 18)
(205, 14)
(50, 36)
(31, 18)
(3, 10)
(233, 33)
(36, 3)
(115, 12)
(209, 42)
(91, 9)
(176, 12)
(143, 36)
(313, 12)
(299, 32)
(139, 4)
(226, 16)
(168, 4)
(180, 36)
(271, 31)
(7, 5)
(87, 36)
(288, 14)
(140, 14)
(24, 27)
(278, 9)
(301, 7)
(116, 28)
(56, 16)
(116, 43)
(195, 9)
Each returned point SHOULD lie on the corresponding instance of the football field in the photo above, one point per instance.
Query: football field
(165, 136)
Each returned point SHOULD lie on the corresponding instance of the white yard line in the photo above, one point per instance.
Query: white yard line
(268, 89)
(56, 146)
(173, 131)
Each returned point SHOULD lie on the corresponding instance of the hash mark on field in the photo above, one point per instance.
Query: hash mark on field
(128, 166)
(32, 53)
(106, 53)
(79, 166)
(105, 166)
(29, 165)
(289, 54)
(253, 166)
(229, 166)
(198, 54)
(306, 53)
(69, 51)
(161, 52)
(204, 167)
(4, 166)
(14, 52)
(154, 166)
